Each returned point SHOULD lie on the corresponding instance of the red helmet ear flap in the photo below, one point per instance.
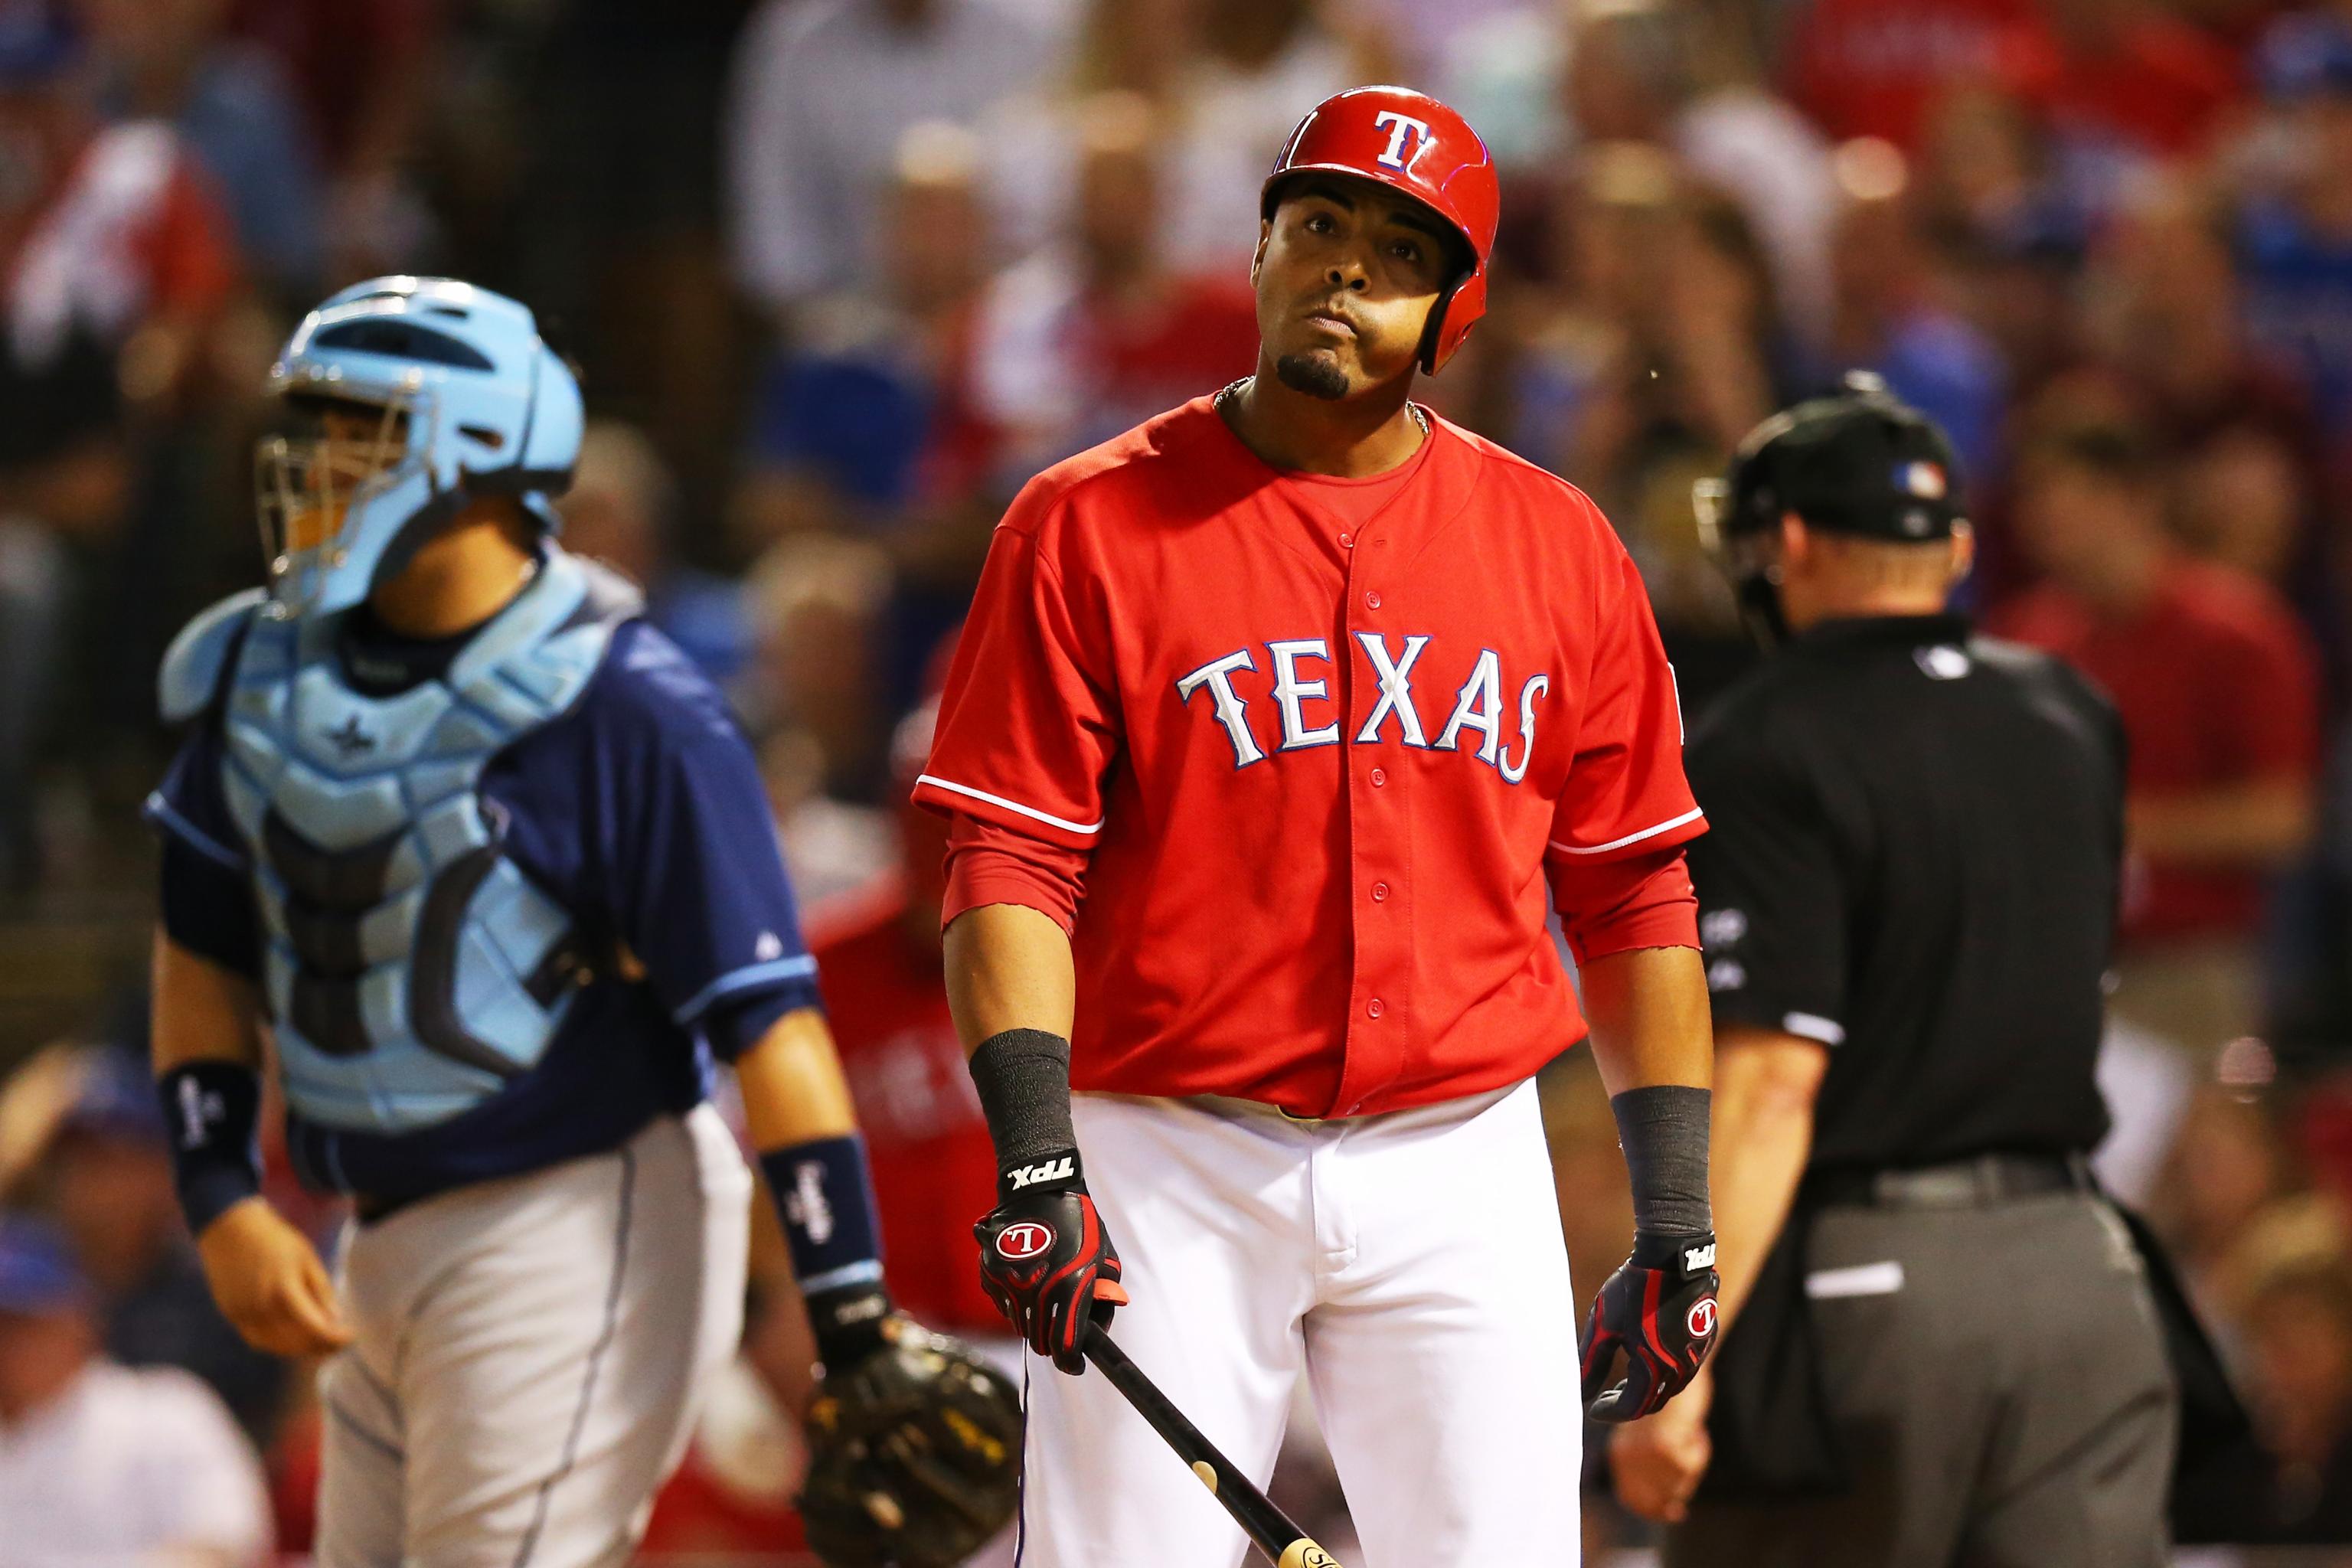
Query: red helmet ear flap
(1450, 320)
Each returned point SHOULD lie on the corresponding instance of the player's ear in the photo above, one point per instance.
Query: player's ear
(1796, 539)
(1258, 256)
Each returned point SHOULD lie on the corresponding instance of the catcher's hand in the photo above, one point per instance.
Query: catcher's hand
(1659, 1307)
(1048, 1264)
(914, 1456)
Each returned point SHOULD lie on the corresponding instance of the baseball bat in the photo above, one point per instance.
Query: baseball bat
(1269, 1529)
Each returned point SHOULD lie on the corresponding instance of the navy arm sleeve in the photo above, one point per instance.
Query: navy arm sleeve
(206, 886)
(1772, 903)
(693, 873)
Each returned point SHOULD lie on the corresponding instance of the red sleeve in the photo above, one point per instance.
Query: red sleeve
(1625, 792)
(993, 865)
(187, 246)
(1028, 721)
(1617, 906)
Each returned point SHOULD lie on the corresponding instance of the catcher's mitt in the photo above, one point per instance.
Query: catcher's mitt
(914, 1456)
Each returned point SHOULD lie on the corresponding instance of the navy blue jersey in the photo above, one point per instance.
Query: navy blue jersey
(640, 811)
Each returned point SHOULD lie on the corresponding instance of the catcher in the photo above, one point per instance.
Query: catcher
(490, 863)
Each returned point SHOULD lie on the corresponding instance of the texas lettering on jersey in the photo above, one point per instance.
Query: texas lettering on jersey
(1477, 706)
(1310, 758)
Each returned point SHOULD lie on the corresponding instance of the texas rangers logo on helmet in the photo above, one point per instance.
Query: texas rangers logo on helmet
(1019, 1243)
(1406, 136)
(1700, 1320)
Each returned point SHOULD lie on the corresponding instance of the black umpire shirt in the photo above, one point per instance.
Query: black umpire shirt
(1915, 846)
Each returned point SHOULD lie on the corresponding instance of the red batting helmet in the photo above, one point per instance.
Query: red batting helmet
(1411, 143)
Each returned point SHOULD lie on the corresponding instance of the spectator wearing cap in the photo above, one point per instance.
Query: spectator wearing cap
(2219, 689)
(110, 1179)
(98, 1463)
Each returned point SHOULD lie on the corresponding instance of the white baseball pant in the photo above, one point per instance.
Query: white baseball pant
(1411, 1265)
(528, 1356)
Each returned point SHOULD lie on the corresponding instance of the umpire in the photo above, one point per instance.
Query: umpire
(1943, 1352)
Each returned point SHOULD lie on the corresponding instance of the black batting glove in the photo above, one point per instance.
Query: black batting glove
(1046, 1259)
(1659, 1308)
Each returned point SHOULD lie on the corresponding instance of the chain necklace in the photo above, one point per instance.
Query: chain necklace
(1233, 389)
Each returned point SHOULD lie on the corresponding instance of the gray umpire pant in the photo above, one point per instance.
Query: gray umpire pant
(1998, 1381)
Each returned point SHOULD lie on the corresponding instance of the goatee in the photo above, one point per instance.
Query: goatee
(1314, 375)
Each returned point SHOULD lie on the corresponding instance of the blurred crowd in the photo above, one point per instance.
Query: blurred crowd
(842, 274)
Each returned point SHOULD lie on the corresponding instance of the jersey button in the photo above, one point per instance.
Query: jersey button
(1373, 600)
(1379, 777)
(1376, 1007)
(1347, 542)
(1380, 892)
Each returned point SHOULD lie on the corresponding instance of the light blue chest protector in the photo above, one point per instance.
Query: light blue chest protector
(412, 970)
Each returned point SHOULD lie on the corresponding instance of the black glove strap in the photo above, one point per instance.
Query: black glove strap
(848, 1323)
(1678, 1257)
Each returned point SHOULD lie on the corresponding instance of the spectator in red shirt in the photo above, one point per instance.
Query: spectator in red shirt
(2127, 73)
(2219, 689)
(1883, 67)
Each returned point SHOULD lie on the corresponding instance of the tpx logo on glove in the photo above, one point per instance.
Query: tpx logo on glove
(1701, 1318)
(1051, 1171)
(1020, 1243)
(1697, 1258)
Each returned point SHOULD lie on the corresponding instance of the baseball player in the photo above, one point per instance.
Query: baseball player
(489, 864)
(1272, 721)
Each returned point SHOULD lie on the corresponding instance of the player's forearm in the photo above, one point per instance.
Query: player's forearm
(1013, 989)
(205, 1037)
(200, 1011)
(1765, 1086)
(1648, 1012)
(1650, 1035)
(1008, 967)
(797, 1109)
(792, 1084)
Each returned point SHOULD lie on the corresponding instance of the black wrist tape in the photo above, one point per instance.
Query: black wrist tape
(848, 1323)
(1024, 1078)
(213, 1110)
(1663, 1130)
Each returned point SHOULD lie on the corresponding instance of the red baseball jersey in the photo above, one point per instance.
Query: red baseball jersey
(1317, 756)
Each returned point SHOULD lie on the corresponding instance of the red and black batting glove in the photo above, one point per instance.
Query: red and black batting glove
(1659, 1308)
(1046, 1259)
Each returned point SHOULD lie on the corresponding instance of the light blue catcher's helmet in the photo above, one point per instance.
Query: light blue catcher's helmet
(462, 399)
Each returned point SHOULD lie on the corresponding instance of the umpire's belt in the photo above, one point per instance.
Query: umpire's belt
(1975, 1183)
